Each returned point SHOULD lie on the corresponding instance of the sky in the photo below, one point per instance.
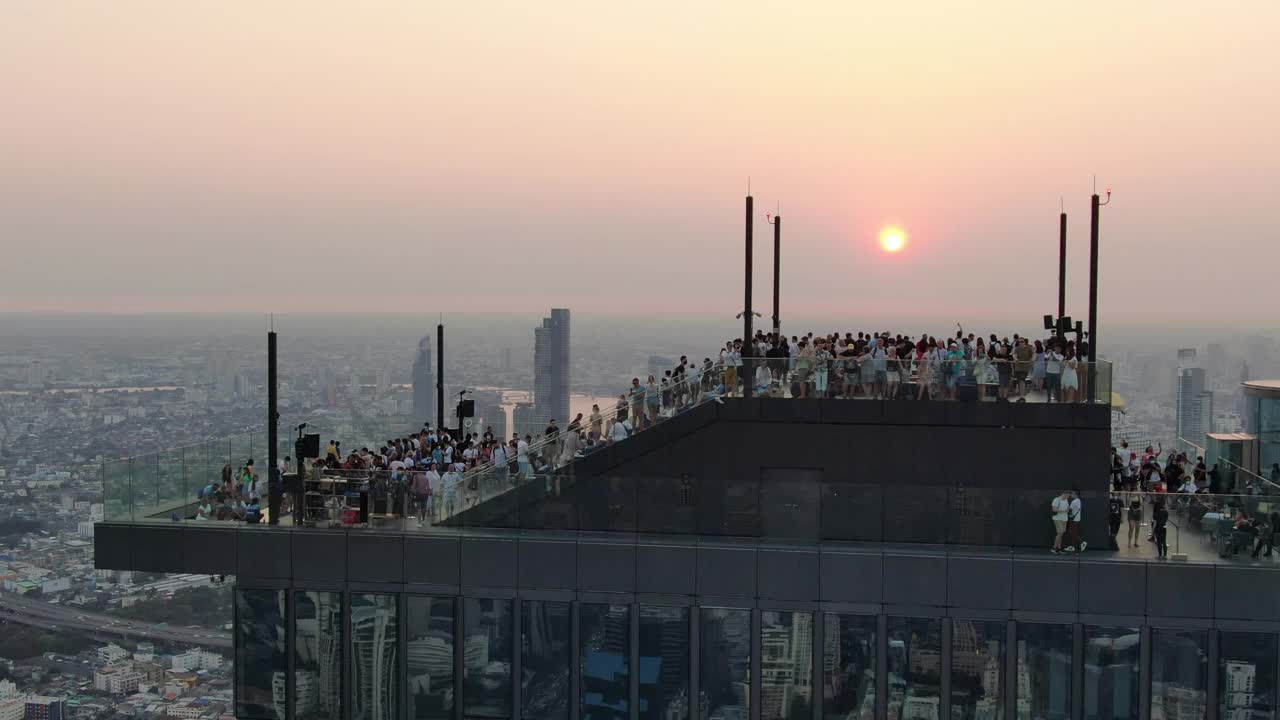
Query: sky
(408, 156)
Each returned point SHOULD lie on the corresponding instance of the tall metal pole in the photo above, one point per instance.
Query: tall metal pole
(1093, 279)
(440, 378)
(748, 348)
(777, 271)
(1062, 272)
(274, 491)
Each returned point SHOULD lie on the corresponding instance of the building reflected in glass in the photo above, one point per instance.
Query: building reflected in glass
(915, 668)
(430, 626)
(977, 670)
(317, 676)
(664, 663)
(724, 664)
(545, 630)
(374, 654)
(1179, 674)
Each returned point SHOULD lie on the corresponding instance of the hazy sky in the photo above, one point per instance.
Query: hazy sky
(441, 156)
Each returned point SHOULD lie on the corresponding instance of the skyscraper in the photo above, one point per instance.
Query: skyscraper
(551, 367)
(1194, 404)
(424, 381)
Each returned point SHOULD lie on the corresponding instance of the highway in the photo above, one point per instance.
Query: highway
(15, 608)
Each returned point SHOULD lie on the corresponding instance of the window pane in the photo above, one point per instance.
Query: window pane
(544, 665)
(374, 656)
(664, 663)
(915, 668)
(786, 665)
(1179, 674)
(1246, 676)
(317, 642)
(849, 667)
(1111, 657)
(977, 670)
(261, 660)
(724, 663)
(486, 658)
(429, 651)
(605, 632)
(1044, 671)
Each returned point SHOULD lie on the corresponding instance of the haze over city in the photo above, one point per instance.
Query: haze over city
(390, 360)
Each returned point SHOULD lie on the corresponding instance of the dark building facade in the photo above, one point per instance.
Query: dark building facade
(756, 560)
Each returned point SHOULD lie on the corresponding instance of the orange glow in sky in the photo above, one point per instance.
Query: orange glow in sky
(892, 239)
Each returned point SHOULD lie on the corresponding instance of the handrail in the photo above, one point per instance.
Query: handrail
(1204, 452)
(607, 418)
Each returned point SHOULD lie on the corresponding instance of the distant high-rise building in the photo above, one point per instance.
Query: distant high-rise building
(1194, 405)
(506, 358)
(424, 382)
(551, 367)
(524, 420)
(658, 365)
(35, 374)
(489, 413)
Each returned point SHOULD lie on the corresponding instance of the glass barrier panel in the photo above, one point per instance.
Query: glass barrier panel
(145, 470)
(172, 485)
(117, 491)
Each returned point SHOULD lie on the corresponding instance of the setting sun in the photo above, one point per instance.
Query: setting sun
(892, 239)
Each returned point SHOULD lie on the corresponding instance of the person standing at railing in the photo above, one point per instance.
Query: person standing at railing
(1160, 529)
(730, 359)
(596, 422)
(636, 401)
(652, 399)
(522, 458)
(1052, 374)
(1267, 534)
(1070, 378)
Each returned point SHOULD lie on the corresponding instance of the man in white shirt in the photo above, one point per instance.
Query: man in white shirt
(1073, 523)
(1061, 506)
(522, 459)
(621, 430)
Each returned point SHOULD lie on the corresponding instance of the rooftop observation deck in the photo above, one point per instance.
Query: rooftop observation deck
(850, 503)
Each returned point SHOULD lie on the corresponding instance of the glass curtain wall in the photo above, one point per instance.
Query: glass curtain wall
(261, 665)
(1044, 671)
(724, 663)
(849, 667)
(1111, 661)
(786, 665)
(915, 667)
(375, 656)
(604, 657)
(317, 644)
(664, 663)
(977, 670)
(545, 631)
(430, 624)
(486, 658)
(1179, 674)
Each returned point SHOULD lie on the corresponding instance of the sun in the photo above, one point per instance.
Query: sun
(892, 239)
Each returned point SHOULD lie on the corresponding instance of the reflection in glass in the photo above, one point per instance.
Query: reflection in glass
(317, 642)
(486, 658)
(664, 663)
(849, 667)
(544, 663)
(1246, 676)
(605, 632)
(429, 651)
(977, 670)
(261, 656)
(1044, 671)
(786, 665)
(724, 664)
(1179, 674)
(915, 668)
(374, 655)
(1111, 657)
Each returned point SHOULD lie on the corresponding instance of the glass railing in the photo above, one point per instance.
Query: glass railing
(929, 378)
(164, 483)
(1194, 527)
(1234, 477)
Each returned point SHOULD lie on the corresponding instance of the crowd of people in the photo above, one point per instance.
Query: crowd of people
(1149, 492)
(882, 365)
(237, 495)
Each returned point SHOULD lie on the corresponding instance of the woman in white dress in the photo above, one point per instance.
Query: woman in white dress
(1070, 378)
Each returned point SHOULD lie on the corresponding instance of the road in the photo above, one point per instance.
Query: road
(15, 608)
